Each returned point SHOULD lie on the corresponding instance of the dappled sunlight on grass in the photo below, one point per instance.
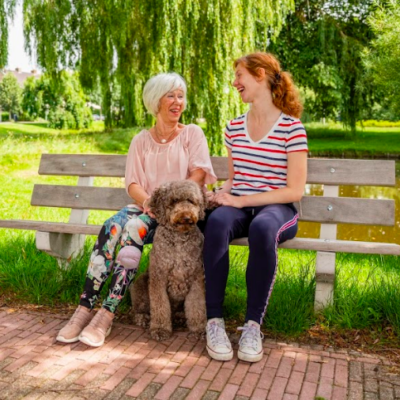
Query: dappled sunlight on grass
(334, 140)
(34, 128)
(366, 289)
(291, 306)
(366, 292)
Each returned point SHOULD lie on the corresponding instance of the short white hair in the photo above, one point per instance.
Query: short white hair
(158, 86)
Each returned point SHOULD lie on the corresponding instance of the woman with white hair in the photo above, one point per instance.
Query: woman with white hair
(168, 151)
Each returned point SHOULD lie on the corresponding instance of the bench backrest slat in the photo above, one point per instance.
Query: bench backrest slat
(320, 171)
(313, 208)
(351, 172)
(83, 165)
(80, 197)
(347, 210)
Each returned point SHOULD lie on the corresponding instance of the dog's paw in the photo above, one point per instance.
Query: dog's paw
(196, 335)
(142, 320)
(160, 334)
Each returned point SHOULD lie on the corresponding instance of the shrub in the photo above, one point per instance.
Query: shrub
(61, 119)
(62, 104)
(25, 117)
(379, 124)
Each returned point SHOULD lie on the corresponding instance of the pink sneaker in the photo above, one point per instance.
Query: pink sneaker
(70, 333)
(98, 329)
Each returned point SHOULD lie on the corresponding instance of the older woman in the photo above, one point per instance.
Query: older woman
(166, 152)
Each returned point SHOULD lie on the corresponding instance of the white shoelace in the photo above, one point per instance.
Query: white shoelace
(217, 334)
(250, 336)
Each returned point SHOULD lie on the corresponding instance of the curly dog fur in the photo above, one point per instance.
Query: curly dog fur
(175, 276)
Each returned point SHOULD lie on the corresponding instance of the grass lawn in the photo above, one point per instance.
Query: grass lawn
(333, 141)
(367, 298)
(324, 139)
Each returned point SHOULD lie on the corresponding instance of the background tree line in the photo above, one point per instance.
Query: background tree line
(342, 54)
(335, 51)
(62, 103)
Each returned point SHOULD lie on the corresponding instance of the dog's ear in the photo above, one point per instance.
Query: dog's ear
(157, 204)
(203, 203)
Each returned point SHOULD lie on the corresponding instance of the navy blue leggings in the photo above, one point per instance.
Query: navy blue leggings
(266, 227)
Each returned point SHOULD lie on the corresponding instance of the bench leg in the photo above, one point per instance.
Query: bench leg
(63, 246)
(325, 279)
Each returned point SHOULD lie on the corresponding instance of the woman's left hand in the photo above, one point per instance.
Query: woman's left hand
(147, 209)
(226, 199)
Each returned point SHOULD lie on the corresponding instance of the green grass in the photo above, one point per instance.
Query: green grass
(291, 306)
(35, 277)
(366, 292)
(366, 289)
(334, 141)
(40, 128)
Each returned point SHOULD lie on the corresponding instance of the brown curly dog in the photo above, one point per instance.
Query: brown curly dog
(175, 276)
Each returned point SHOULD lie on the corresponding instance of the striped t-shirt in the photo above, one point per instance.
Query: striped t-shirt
(262, 166)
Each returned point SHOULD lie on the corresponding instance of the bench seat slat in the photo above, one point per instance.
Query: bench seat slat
(313, 208)
(320, 171)
(337, 246)
(344, 246)
(56, 227)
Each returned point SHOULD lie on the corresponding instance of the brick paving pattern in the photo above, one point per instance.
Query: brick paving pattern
(131, 365)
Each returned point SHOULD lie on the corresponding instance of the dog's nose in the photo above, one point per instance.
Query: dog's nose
(186, 220)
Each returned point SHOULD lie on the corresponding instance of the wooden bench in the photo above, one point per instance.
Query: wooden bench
(64, 240)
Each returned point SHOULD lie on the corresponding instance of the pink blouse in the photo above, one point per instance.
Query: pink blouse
(150, 163)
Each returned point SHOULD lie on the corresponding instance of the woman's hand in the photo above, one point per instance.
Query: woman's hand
(211, 203)
(147, 209)
(226, 199)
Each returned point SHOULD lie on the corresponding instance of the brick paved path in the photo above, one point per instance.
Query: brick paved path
(131, 365)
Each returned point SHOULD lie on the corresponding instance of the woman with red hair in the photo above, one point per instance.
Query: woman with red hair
(267, 156)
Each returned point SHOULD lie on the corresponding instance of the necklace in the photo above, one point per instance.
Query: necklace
(161, 139)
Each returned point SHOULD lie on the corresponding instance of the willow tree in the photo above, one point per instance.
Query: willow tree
(6, 12)
(322, 45)
(120, 44)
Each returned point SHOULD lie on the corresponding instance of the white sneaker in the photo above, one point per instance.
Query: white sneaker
(218, 345)
(250, 343)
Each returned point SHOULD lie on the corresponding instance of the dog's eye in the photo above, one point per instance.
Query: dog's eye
(173, 202)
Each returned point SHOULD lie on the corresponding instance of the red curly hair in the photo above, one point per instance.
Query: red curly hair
(284, 92)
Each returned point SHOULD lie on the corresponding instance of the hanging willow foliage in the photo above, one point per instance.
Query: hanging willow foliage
(6, 10)
(120, 44)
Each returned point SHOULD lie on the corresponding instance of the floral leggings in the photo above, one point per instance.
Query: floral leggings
(131, 229)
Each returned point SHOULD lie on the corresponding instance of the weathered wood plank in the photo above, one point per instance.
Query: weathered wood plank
(55, 227)
(351, 172)
(313, 208)
(344, 246)
(80, 197)
(321, 171)
(339, 246)
(83, 165)
(220, 166)
(347, 210)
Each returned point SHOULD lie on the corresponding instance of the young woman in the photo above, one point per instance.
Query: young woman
(168, 151)
(267, 156)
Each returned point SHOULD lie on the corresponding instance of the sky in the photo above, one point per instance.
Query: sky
(17, 57)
